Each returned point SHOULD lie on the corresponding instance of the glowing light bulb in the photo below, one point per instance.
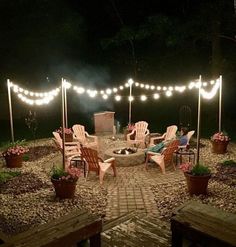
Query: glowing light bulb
(108, 91)
(130, 81)
(212, 93)
(121, 87)
(102, 92)
(152, 87)
(212, 82)
(130, 98)
(143, 97)
(170, 88)
(80, 90)
(164, 88)
(127, 85)
(147, 86)
(142, 85)
(105, 96)
(136, 84)
(117, 97)
(115, 90)
(168, 93)
(156, 96)
(158, 88)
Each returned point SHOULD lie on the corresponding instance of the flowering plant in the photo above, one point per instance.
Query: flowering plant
(130, 127)
(220, 137)
(195, 170)
(14, 148)
(66, 130)
(70, 174)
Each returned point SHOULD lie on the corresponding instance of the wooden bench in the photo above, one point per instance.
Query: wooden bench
(65, 231)
(203, 226)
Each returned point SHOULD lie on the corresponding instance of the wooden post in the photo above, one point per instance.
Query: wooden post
(199, 118)
(10, 109)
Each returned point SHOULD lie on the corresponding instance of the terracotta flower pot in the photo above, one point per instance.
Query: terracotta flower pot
(14, 161)
(64, 188)
(219, 147)
(197, 184)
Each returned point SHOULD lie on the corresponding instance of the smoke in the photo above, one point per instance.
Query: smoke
(88, 77)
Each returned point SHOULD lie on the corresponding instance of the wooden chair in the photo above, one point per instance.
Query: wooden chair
(96, 164)
(84, 138)
(141, 132)
(165, 157)
(168, 135)
(189, 135)
(72, 149)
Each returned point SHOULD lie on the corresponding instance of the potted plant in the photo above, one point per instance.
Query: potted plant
(68, 134)
(220, 141)
(197, 177)
(64, 181)
(13, 154)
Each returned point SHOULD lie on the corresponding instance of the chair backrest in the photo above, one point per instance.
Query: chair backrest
(79, 132)
(190, 134)
(140, 129)
(168, 152)
(57, 139)
(91, 157)
(171, 132)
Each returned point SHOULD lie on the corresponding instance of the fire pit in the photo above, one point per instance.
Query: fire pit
(126, 156)
(125, 151)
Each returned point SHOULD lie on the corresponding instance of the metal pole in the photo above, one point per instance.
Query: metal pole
(220, 102)
(130, 101)
(65, 101)
(199, 118)
(10, 109)
(63, 122)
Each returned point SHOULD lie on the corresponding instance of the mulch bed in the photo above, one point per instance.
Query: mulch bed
(24, 183)
(225, 174)
(38, 152)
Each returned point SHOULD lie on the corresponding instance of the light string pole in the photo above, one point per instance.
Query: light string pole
(220, 102)
(130, 82)
(63, 122)
(65, 105)
(199, 118)
(10, 109)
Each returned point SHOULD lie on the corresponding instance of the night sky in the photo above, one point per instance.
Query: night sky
(103, 43)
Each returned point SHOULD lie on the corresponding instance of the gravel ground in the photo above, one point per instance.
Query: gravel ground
(30, 199)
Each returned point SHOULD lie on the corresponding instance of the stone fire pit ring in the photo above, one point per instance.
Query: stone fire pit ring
(126, 159)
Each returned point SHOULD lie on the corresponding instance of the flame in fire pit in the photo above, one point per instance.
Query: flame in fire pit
(124, 151)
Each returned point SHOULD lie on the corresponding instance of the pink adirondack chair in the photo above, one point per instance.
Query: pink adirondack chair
(84, 138)
(168, 135)
(165, 157)
(72, 149)
(141, 132)
(95, 163)
(189, 135)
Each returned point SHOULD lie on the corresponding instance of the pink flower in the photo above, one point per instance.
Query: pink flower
(185, 167)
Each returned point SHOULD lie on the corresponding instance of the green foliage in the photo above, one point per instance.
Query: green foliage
(7, 145)
(229, 163)
(4, 176)
(58, 172)
(199, 170)
(25, 157)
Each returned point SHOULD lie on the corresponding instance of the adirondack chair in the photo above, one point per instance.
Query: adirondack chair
(168, 135)
(84, 138)
(165, 157)
(72, 149)
(96, 164)
(189, 135)
(141, 132)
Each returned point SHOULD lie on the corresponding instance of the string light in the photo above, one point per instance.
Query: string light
(117, 97)
(105, 96)
(131, 98)
(156, 96)
(168, 93)
(212, 93)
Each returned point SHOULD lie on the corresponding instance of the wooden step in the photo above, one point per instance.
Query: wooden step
(134, 229)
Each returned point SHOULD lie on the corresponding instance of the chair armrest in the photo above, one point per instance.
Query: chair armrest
(153, 153)
(131, 133)
(72, 143)
(109, 160)
(152, 139)
(91, 136)
(147, 132)
(182, 147)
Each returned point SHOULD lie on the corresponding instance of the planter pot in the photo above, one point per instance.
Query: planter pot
(197, 184)
(219, 147)
(64, 189)
(14, 161)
